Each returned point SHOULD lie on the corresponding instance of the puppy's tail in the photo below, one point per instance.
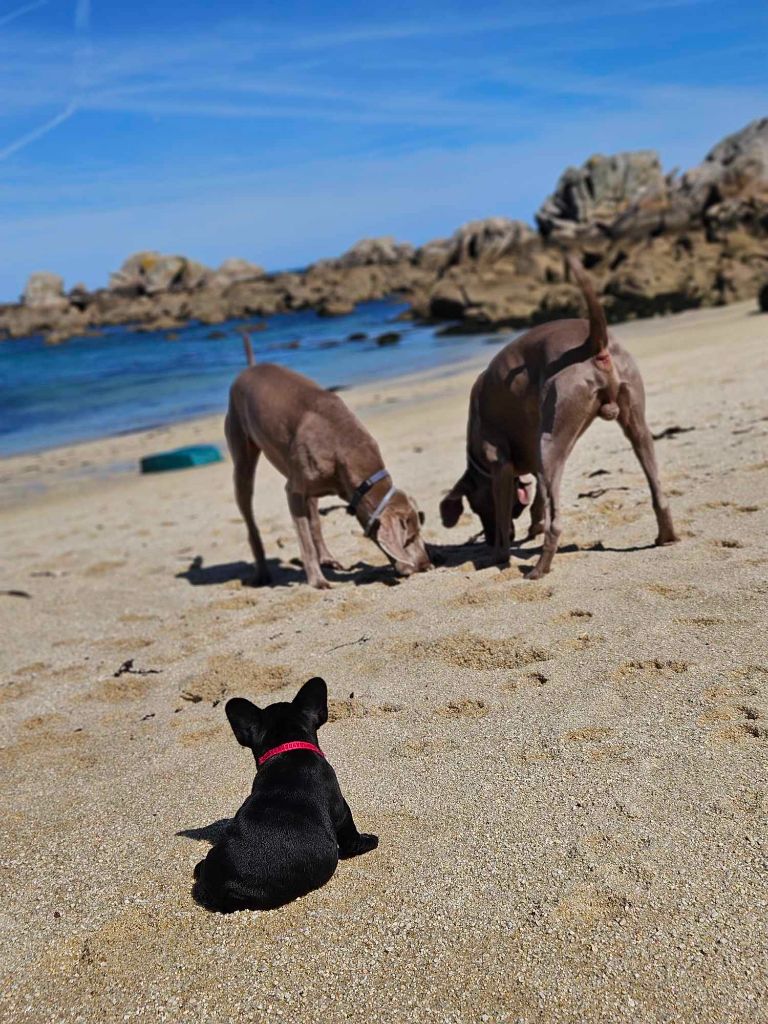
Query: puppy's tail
(248, 348)
(598, 326)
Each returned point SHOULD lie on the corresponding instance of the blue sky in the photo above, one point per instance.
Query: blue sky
(284, 131)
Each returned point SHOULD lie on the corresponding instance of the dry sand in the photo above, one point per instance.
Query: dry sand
(569, 778)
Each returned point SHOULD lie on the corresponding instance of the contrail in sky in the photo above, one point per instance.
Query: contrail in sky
(82, 28)
(5, 18)
(38, 133)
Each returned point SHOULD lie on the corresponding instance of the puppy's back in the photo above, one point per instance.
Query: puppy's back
(280, 845)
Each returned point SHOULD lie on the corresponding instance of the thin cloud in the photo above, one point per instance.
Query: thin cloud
(39, 132)
(5, 19)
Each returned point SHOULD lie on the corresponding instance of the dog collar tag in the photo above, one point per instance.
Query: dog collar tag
(284, 748)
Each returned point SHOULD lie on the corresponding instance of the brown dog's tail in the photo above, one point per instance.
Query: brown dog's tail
(248, 348)
(598, 326)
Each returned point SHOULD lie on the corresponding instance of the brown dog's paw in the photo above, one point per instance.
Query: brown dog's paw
(664, 539)
(260, 578)
(321, 584)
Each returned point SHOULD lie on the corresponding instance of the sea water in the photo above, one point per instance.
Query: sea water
(121, 381)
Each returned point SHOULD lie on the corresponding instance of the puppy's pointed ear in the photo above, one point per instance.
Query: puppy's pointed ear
(246, 721)
(312, 700)
(452, 505)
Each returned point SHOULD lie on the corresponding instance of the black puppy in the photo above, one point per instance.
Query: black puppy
(288, 836)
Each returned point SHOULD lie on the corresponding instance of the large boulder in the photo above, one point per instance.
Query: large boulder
(726, 192)
(488, 240)
(233, 270)
(589, 198)
(151, 273)
(375, 252)
(44, 291)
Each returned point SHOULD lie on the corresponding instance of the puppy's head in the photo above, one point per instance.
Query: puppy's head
(398, 534)
(478, 491)
(261, 729)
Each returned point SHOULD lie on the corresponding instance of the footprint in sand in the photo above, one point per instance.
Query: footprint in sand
(590, 741)
(400, 614)
(652, 668)
(700, 620)
(467, 650)
(424, 746)
(584, 642)
(585, 905)
(577, 613)
(672, 591)
(126, 687)
(740, 705)
(103, 568)
(532, 680)
(481, 595)
(343, 710)
(14, 690)
(466, 708)
(230, 675)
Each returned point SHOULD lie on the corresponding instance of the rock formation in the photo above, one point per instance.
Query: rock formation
(654, 243)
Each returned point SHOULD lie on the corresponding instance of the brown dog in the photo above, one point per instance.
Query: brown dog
(321, 448)
(526, 412)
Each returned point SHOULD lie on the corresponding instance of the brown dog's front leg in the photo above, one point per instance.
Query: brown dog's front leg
(298, 506)
(325, 556)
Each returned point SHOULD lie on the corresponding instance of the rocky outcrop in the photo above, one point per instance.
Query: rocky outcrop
(44, 291)
(376, 252)
(589, 198)
(654, 243)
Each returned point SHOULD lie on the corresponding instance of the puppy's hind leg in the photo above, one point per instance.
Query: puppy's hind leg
(632, 422)
(351, 842)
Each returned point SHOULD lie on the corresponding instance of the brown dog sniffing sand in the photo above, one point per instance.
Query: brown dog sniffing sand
(528, 409)
(321, 448)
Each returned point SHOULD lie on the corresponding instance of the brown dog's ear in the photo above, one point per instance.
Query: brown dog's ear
(246, 721)
(312, 700)
(451, 507)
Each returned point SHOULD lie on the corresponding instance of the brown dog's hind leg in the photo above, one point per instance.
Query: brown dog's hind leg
(538, 511)
(632, 422)
(245, 461)
(299, 508)
(553, 458)
(503, 500)
(325, 556)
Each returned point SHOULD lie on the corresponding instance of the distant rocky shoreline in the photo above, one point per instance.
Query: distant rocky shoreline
(654, 243)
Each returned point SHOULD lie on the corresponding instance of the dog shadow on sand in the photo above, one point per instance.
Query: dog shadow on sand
(447, 556)
(282, 574)
(210, 834)
(451, 556)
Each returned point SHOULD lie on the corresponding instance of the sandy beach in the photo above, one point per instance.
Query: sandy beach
(569, 778)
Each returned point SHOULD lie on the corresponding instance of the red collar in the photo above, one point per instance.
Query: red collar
(285, 747)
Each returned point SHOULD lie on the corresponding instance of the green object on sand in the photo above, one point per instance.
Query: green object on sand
(181, 458)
